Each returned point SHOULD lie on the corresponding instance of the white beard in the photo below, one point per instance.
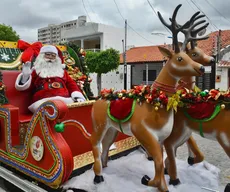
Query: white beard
(45, 69)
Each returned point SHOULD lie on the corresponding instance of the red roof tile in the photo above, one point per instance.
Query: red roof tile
(224, 64)
(142, 54)
(152, 53)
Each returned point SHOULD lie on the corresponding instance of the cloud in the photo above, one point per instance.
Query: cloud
(26, 16)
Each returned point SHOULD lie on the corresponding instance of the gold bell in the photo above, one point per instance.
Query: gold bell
(222, 106)
(156, 108)
(120, 95)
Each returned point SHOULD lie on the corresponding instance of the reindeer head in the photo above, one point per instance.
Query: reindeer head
(179, 63)
(190, 43)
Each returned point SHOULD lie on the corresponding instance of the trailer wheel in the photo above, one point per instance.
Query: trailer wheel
(227, 188)
(10, 187)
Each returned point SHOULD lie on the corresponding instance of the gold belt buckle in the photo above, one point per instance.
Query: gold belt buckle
(55, 85)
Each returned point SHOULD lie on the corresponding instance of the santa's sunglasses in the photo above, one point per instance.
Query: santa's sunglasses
(50, 55)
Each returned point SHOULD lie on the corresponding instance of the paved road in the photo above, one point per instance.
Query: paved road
(214, 154)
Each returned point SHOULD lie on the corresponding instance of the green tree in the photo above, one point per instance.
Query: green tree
(8, 34)
(102, 62)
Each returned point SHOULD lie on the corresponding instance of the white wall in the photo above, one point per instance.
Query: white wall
(84, 31)
(223, 84)
(110, 80)
(112, 37)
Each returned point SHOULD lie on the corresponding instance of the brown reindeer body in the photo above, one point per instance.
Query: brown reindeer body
(150, 126)
(215, 129)
(181, 133)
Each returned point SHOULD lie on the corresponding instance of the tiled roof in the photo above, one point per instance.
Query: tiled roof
(209, 45)
(224, 64)
(142, 54)
(152, 53)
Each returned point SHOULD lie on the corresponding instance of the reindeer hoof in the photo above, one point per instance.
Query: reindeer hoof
(150, 158)
(166, 171)
(145, 180)
(227, 188)
(191, 160)
(174, 182)
(75, 190)
(98, 179)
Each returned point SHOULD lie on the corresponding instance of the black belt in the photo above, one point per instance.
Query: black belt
(54, 85)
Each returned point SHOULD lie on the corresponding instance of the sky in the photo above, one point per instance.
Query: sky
(125, 173)
(26, 16)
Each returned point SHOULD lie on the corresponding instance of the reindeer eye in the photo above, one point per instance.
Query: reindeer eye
(194, 54)
(179, 59)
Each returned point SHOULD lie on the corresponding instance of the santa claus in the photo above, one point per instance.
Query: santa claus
(48, 80)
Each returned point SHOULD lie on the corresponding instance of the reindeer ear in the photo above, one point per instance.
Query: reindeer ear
(187, 47)
(165, 52)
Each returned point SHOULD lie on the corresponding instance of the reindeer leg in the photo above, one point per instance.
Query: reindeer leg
(150, 143)
(223, 139)
(108, 140)
(147, 154)
(170, 163)
(159, 180)
(96, 139)
(194, 149)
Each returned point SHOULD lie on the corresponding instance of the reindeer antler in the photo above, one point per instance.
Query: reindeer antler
(191, 33)
(173, 27)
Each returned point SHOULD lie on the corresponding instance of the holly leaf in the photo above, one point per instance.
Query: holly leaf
(197, 89)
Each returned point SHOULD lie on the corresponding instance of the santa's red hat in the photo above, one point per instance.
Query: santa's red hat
(52, 49)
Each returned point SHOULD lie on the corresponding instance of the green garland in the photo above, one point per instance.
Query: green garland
(123, 120)
(200, 121)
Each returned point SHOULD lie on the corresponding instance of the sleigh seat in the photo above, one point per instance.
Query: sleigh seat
(81, 112)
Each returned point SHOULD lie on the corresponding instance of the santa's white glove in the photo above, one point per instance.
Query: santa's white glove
(26, 72)
(77, 96)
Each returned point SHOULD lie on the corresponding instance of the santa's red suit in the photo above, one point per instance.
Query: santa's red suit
(48, 85)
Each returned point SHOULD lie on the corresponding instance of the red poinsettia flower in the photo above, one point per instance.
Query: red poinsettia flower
(215, 94)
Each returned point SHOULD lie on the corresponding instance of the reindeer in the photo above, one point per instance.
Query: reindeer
(188, 82)
(171, 144)
(215, 129)
(150, 127)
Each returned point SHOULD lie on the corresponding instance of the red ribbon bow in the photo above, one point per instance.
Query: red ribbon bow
(29, 50)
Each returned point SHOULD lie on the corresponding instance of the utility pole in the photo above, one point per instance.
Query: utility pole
(124, 56)
(218, 46)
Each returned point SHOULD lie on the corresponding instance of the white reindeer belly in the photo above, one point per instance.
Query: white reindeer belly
(124, 128)
(185, 132)
(210, 136)
(165, 131)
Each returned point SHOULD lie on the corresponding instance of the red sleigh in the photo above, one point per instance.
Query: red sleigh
(31, 144)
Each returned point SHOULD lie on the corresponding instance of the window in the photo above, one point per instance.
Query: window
(152, 75)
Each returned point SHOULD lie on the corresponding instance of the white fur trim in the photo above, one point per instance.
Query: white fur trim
(49, 49)
(63, 66)
(33, 107)
(23, 87)
(77, 94)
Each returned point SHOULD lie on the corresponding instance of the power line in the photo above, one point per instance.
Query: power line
(88, 15)
(129, 25)
(157, 16)
(205, 15)
(217, 11)
(92, 10)
(190, 5)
